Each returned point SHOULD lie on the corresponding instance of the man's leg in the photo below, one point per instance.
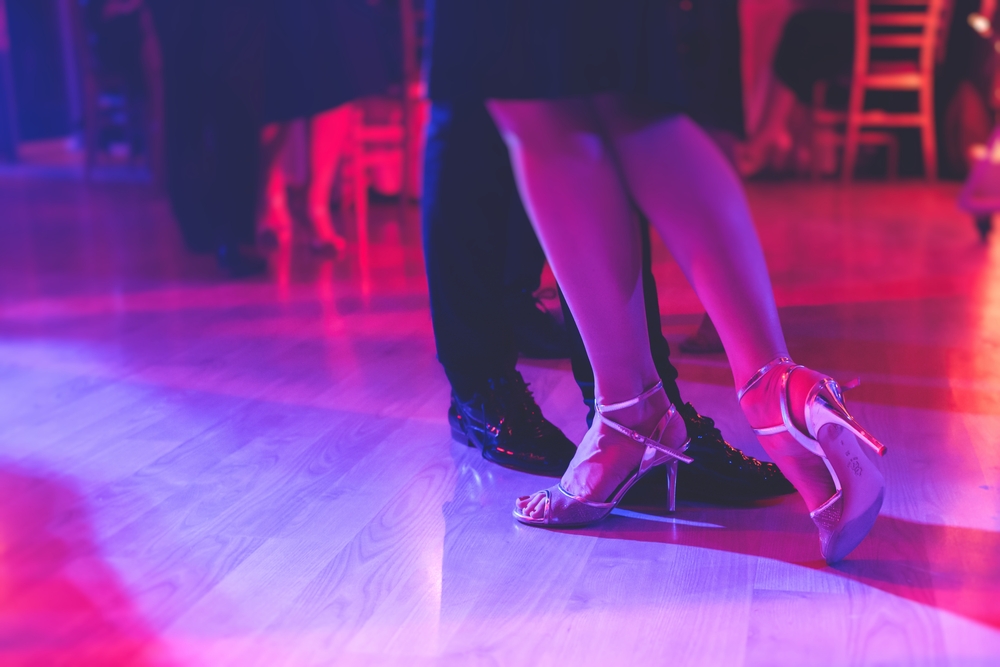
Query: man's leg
(537, 334)
(465, 202)
(720, 473)
(236, 34)
(179, 27)
(468, 196)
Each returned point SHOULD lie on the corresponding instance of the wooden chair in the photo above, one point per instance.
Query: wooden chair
(828, 128)
(8, 113)
(108, 104)
(909, 32)
(377, 139)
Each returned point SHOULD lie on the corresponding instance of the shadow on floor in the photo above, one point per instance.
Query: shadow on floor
(60, 602)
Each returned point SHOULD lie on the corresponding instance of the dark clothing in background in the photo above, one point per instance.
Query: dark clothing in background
(816, 45)
(323, 53)
(117, 44)
(969, 56)
(213, 59)
(42, 102)
(677, 55)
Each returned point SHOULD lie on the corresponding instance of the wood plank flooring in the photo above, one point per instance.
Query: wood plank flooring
(196, 471)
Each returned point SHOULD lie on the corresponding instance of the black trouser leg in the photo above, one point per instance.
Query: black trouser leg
(525, 258)
(213, 60)
(236, 60)
(660, 349)
(180, 28)
(467, 198)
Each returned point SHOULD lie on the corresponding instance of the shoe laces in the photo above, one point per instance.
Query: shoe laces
(703, 426)
(514, 400)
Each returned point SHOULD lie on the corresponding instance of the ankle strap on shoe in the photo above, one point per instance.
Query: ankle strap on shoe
(759, 375)
(649, 442)
(671, 413)
(632, 401)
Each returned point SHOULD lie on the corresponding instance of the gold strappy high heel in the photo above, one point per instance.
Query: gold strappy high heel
(565, 510)
(859, 481)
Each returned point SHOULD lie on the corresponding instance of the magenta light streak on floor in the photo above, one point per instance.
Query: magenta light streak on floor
(202, 472)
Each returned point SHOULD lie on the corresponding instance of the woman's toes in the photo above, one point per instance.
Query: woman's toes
(528, 505)
(536, 505)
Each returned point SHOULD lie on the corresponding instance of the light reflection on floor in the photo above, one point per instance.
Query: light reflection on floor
(198, 471)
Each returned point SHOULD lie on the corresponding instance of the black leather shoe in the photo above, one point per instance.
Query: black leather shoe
(720, 473)
(241, 262)
(537, 333)
(504, 421)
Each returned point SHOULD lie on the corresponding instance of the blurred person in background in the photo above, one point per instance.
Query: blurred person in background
(817, 44)
(214, 55)
(123, 46)
(966, 82)
(322, 54)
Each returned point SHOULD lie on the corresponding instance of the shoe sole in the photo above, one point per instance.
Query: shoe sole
(851, 534)
(843, 444)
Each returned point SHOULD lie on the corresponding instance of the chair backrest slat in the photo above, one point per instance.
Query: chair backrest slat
(897, 24)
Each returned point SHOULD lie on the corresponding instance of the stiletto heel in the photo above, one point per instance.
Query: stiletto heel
(835, 436)
(672, 486)
(564, 509)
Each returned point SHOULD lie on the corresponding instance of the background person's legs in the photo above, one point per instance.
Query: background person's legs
(328, 132)
(179, 27)
(235, 65)
(274, 225)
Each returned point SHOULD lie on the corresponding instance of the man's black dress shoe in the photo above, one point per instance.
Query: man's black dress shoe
(720, 473)
(537, 333)
(504, 421)
(241, 262)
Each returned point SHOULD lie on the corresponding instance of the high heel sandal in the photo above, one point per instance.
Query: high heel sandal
(563, 509)
(824, 406)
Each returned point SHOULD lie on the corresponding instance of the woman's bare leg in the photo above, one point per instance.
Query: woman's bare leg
(572, 190)
(327, 135)
(772, 140)
(690, 193)
(274, 223)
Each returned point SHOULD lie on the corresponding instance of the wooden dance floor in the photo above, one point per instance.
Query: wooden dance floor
(206, 472)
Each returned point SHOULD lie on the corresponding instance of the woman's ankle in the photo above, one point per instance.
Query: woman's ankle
(762, 407)
(641, 417)
(761, 403)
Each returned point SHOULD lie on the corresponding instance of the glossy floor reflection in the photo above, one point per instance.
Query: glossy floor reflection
(204, 472)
